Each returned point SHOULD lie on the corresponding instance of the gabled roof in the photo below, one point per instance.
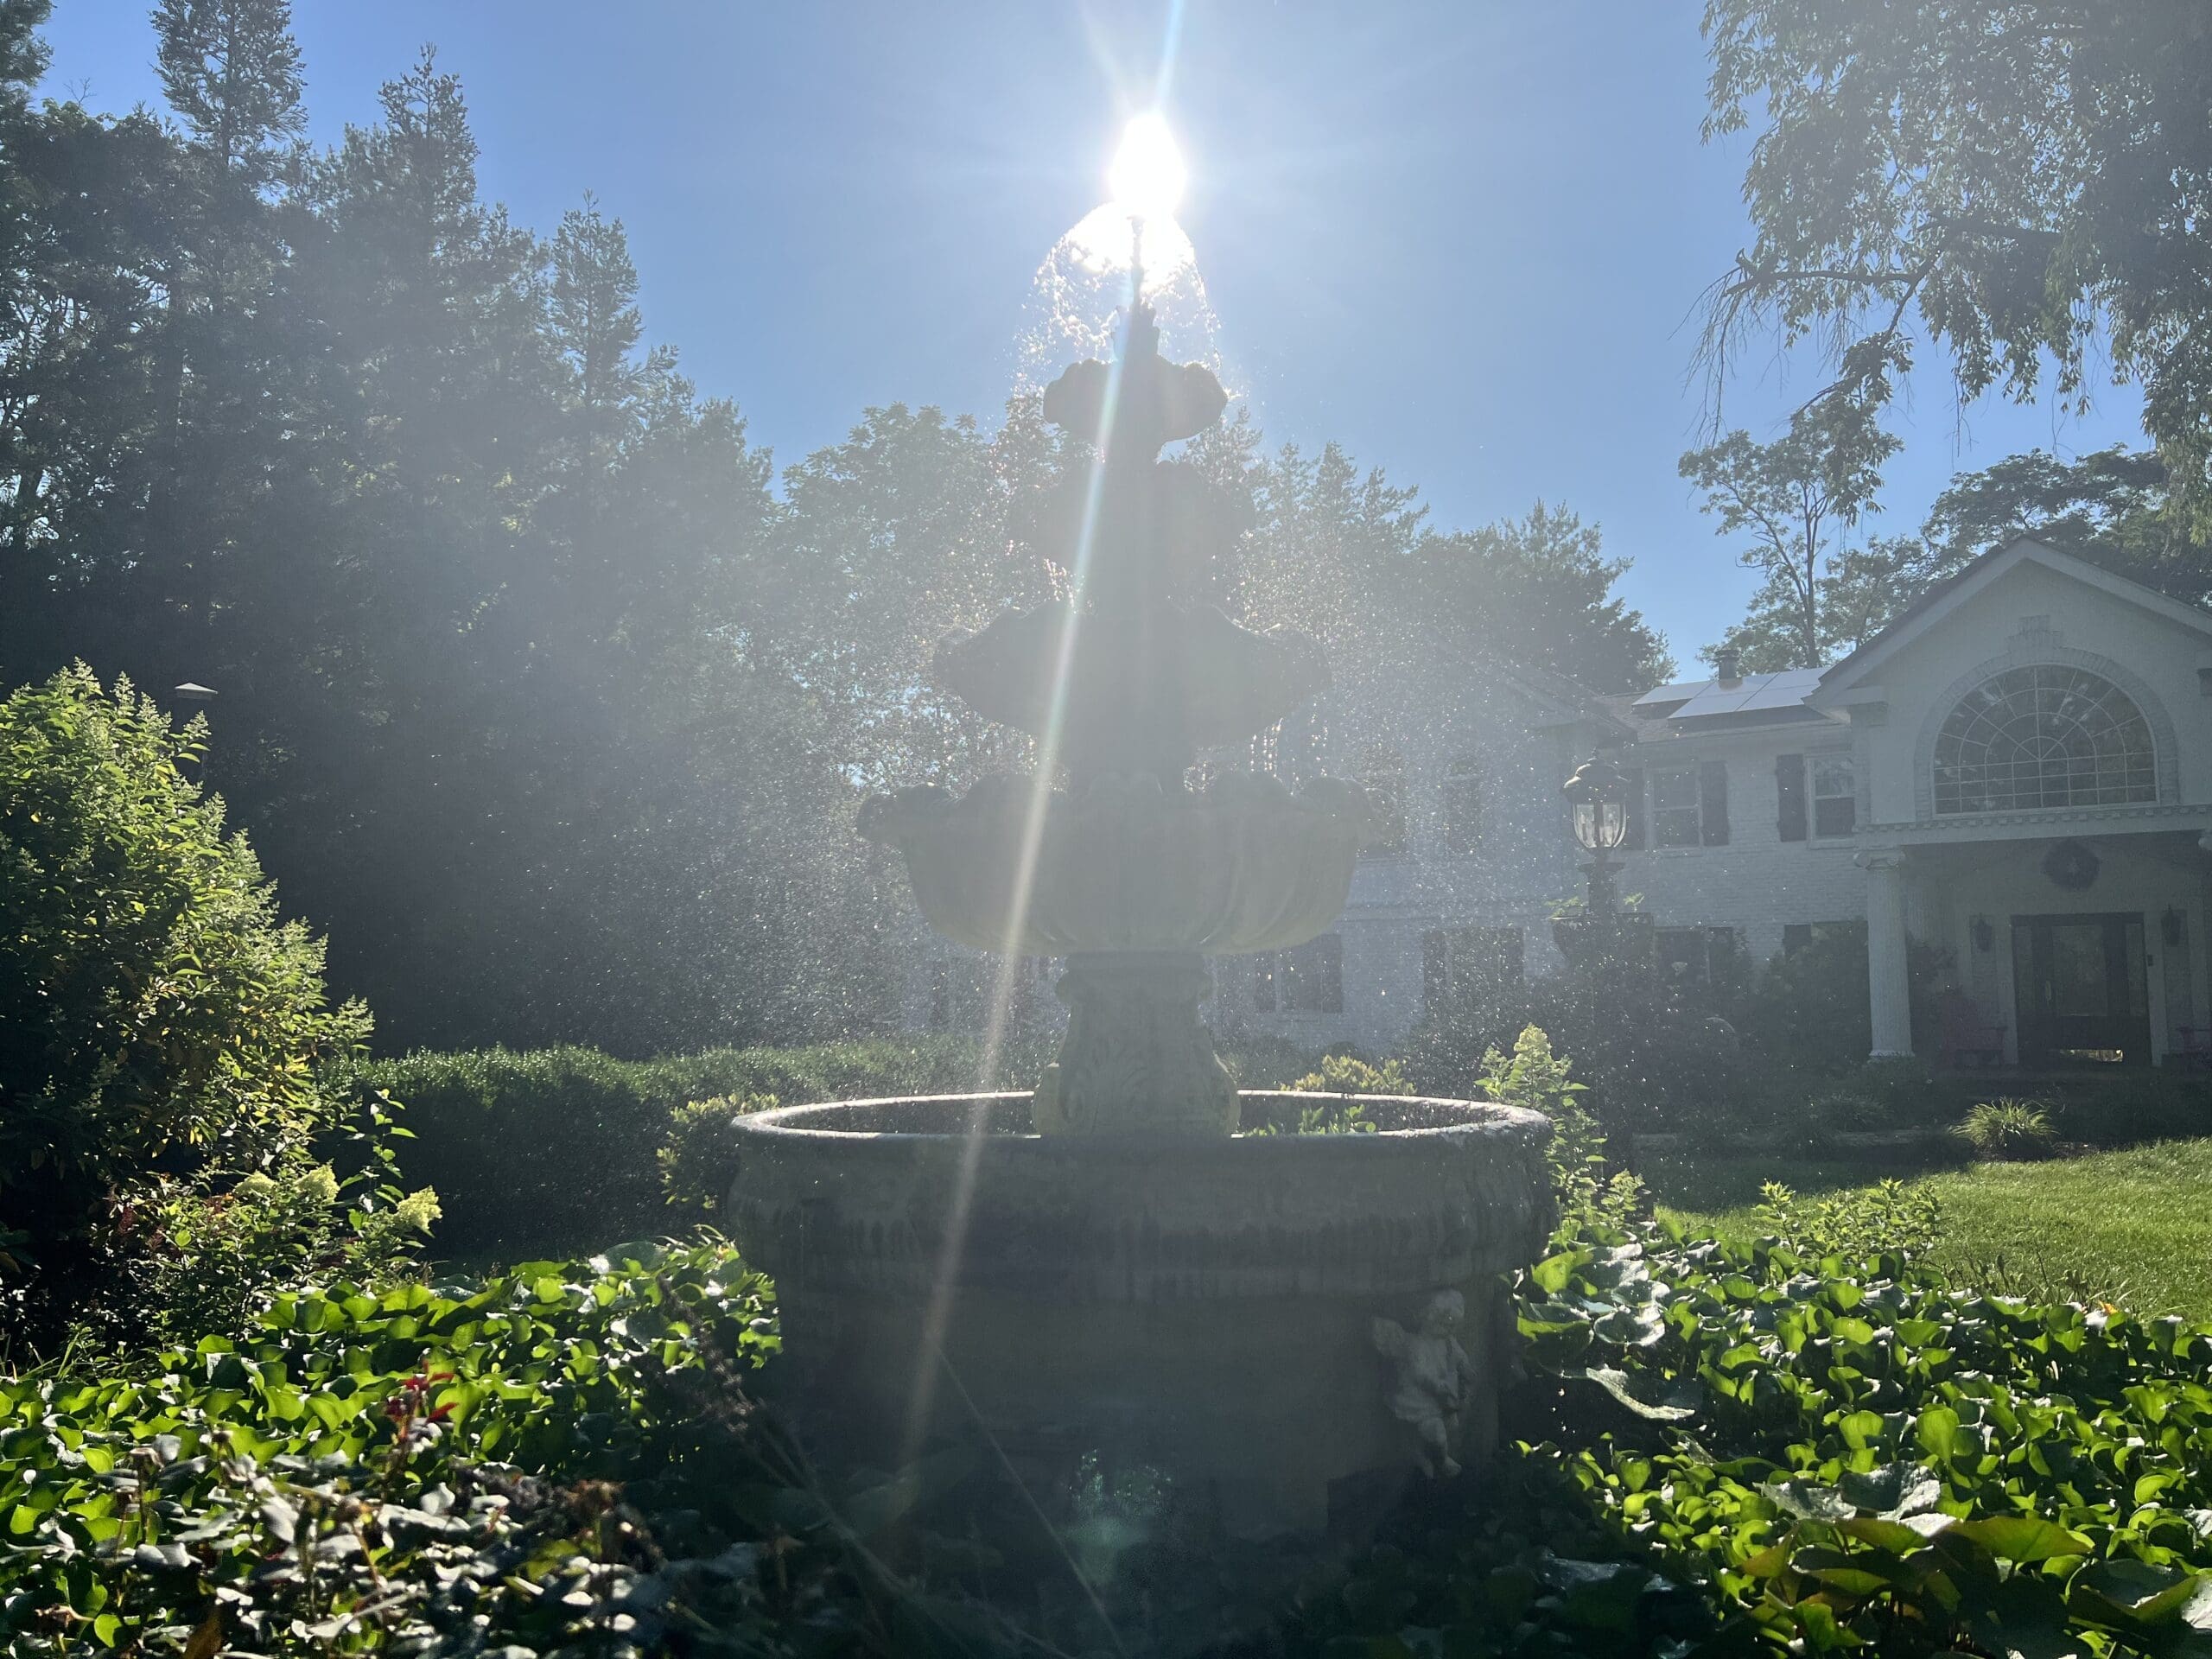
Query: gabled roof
(1940, 601)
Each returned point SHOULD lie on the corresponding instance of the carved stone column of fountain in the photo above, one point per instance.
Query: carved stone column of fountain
(1107, 1264)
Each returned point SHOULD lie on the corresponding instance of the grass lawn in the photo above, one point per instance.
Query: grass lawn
(2132, 1227)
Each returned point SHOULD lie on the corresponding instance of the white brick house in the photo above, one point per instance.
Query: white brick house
(1462, 760)
(2019, 771)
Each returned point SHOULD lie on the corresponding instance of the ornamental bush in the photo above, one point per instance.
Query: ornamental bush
(155, 1013)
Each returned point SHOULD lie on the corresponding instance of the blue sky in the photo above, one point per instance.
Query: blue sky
(1461, 238)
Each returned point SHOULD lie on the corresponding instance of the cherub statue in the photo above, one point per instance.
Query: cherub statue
(1433, 1373)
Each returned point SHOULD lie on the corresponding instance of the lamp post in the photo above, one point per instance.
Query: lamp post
(1597, 793)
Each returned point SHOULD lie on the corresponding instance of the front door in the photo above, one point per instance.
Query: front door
(2079, 984)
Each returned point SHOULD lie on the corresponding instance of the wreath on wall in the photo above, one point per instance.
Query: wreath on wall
(2071, 865)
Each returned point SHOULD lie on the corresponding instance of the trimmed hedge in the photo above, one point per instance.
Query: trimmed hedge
(537, 1153)
(556, 1150)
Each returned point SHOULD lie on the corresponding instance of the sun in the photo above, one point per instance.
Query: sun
(1147, 176)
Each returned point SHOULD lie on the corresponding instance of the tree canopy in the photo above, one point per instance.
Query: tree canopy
(2026, 183)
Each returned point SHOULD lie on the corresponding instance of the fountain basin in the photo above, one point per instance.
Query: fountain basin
(1205, 1308)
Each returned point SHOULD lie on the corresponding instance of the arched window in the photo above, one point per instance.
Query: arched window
(1462, 806)
(2044, 735)
(1383, 775)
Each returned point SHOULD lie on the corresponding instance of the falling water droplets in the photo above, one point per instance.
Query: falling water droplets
(1082, 290)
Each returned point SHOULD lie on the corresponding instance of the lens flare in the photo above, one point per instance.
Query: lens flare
(1147, 176)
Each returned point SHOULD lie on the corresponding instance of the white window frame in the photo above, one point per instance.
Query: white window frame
(1814, 795)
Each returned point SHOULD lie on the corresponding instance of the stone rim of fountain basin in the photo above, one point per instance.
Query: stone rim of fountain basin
(1205, 1305)
(1453, 1188)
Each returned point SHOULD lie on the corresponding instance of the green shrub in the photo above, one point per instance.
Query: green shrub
(1817, 1127)
(1535, 1078)
(558, 1149)
(1344, 1116)
(1847, 1111)
(1256, 1060)
(2007, 1129)
(219, 1254)
(1892, 1222)
(153, 1010)
(699, 1161)
(1905, 1087)
(1348, 1074)
(1652, 1054)
(1810, 1005)
(2131, 1107)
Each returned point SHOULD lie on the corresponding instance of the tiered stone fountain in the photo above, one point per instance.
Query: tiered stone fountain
(1107, 1264)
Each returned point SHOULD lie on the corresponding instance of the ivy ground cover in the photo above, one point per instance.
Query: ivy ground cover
(1807, 1443)
(1802, 1442)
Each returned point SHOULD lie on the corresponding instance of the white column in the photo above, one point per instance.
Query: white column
(1889, 980)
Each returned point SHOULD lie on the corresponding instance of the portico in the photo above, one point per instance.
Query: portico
(2083, 950)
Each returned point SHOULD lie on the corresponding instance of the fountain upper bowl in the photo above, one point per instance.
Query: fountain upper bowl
(1126, 867)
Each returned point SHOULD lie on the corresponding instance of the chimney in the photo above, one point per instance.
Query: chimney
(1731, 673)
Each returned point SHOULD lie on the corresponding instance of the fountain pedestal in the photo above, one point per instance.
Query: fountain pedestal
(1135, 1038)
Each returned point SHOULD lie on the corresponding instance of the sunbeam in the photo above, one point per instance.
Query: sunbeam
(1046, 758)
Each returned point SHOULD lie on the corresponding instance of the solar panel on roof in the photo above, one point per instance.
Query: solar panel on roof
(1756, 693)
(1675, 693)
(1753, 694)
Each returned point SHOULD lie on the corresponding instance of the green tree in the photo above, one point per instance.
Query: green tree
(1794, 500)
(84, 213)
(2109, 507)
(2018, 182)
(596, 325)
(230, 70)
(892, 540)
(1540, 589)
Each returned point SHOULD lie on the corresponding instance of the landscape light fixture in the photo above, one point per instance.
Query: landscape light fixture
(1598, 794)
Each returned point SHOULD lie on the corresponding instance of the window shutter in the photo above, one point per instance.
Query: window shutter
(1633, 841)
(1789, 790)
(1712, 803)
